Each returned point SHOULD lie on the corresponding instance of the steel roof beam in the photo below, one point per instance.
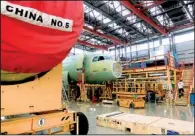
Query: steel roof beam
(101, 47)
(83, 47)
(155, 3)
(96, 37)
(143, 9)
(181, 26)
(131, 7)
(130, 14)
(105, 31)
(114, 21)
(186, 9)
(112, 18)
(99, 39)
(115, 40)
(168, 10)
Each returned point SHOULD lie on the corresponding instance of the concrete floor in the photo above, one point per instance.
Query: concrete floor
(92, 110)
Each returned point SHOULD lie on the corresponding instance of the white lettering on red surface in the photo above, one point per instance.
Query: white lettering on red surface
(35, 17)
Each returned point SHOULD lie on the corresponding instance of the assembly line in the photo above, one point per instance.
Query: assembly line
(97, 67)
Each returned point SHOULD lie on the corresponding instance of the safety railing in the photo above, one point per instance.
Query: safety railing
(181, 76)
(168, 59)
(180, 70)
(190, 83)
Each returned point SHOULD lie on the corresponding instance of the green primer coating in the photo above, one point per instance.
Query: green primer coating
(95, 72)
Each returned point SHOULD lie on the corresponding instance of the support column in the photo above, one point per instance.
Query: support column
(160, 40)
(125, 85)
(130, 52)
(170, 42)
(175, 78)
(125, 46)
(146, 74)
(173, 42)
(115, 52)
(148, 40)
(169, 84)
(168, 79)
(119, 53)
(136, 51)
(153, 45)
(148, 47)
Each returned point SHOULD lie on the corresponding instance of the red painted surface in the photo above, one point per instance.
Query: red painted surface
(102, 47)
(28, 48)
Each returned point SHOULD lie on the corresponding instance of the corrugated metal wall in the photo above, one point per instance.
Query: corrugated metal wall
(185, 51)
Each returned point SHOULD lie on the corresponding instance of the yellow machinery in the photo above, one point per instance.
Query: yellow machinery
(35, 106)
(131, 92)
(130, 100)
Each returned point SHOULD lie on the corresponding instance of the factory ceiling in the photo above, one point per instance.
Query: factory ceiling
(110, 23)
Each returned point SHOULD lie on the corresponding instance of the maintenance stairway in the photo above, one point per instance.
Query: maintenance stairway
(187, 77)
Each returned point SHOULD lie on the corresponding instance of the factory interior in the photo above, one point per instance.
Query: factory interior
(97, 67)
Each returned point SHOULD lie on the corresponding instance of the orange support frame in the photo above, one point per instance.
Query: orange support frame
(41, 103)
(42, 94)
(44, 121)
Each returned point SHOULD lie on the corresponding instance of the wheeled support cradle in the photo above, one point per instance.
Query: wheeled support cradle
(36, 105)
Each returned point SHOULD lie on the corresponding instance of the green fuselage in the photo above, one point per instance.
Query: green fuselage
(97, 68)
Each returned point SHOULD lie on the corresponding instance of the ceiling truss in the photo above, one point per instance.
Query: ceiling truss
(110, 23)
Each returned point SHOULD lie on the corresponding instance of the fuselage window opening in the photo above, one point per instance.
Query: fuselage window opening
(95, 59)
(100, 58)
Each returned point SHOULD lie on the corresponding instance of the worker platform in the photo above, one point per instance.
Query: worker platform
(161, 74)
(130, 100)
(139, 124)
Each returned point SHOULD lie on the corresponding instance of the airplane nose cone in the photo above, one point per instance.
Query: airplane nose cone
(117, 69)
